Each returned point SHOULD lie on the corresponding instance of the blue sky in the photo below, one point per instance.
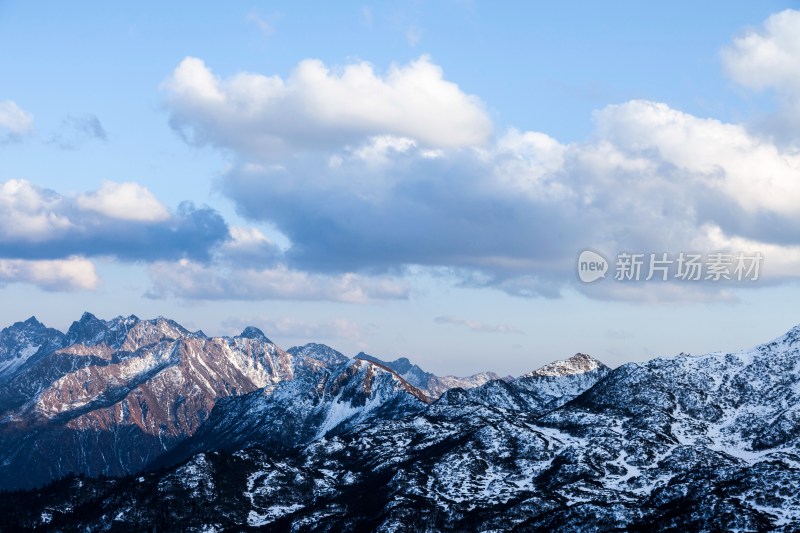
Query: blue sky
(408, 178)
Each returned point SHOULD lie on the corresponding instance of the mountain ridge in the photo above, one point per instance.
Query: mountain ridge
(694, 442)
(120, 393)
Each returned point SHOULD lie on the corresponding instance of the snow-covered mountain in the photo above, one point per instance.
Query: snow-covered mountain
(318, 352)
(320, 402)
(429, 383)
(21, 342)
(697, 443)
(109, 397)
(544, 389)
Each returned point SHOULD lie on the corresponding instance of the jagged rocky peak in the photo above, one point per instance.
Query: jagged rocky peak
(320, 352)
(251, 332)
(90, 330)
(32, 325)
(21, 340)
(138, 333)
(82, 328)
(32, 322)
(580, 363)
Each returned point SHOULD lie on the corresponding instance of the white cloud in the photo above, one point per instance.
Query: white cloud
(29, 212)
(780, 261)
(72, 274)
(190, 280)
(515, 214)
(244, 238)
(724, 157)
(475, 325)
(266, 116)
(124, 201)
(122, 220)
(14, 122)
(248, 246)
(769, 58)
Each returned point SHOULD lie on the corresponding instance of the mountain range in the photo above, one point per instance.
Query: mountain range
(133, 424)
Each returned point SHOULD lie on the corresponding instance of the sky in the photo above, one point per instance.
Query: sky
(413, 179)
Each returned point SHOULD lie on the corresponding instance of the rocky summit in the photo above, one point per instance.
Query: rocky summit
(130, 425)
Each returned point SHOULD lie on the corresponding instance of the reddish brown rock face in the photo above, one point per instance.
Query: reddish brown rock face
(126, 389)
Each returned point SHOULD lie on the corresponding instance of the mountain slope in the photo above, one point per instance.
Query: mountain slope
(699, 443)
(319, 403)
(431, 384)
(112, 396)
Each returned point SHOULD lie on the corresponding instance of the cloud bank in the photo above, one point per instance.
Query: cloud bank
(72, 274)
(190, 280)
(120, 220)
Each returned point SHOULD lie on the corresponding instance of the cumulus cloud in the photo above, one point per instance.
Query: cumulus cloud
(515, 214)
(75, 131)
(191, 280)
(124, 201)
(475, 325)
(315, 106)
(769, 58)
(122, 220)
(14, 122)
(757, 175)
(71, 274)
(249, 247)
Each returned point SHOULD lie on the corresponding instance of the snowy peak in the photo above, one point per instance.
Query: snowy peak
(32, 323)
(22, 340)
(91, 331)
(320, 353)
(135, 333)
(577, 364)
(17, 336)
(251, 332)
